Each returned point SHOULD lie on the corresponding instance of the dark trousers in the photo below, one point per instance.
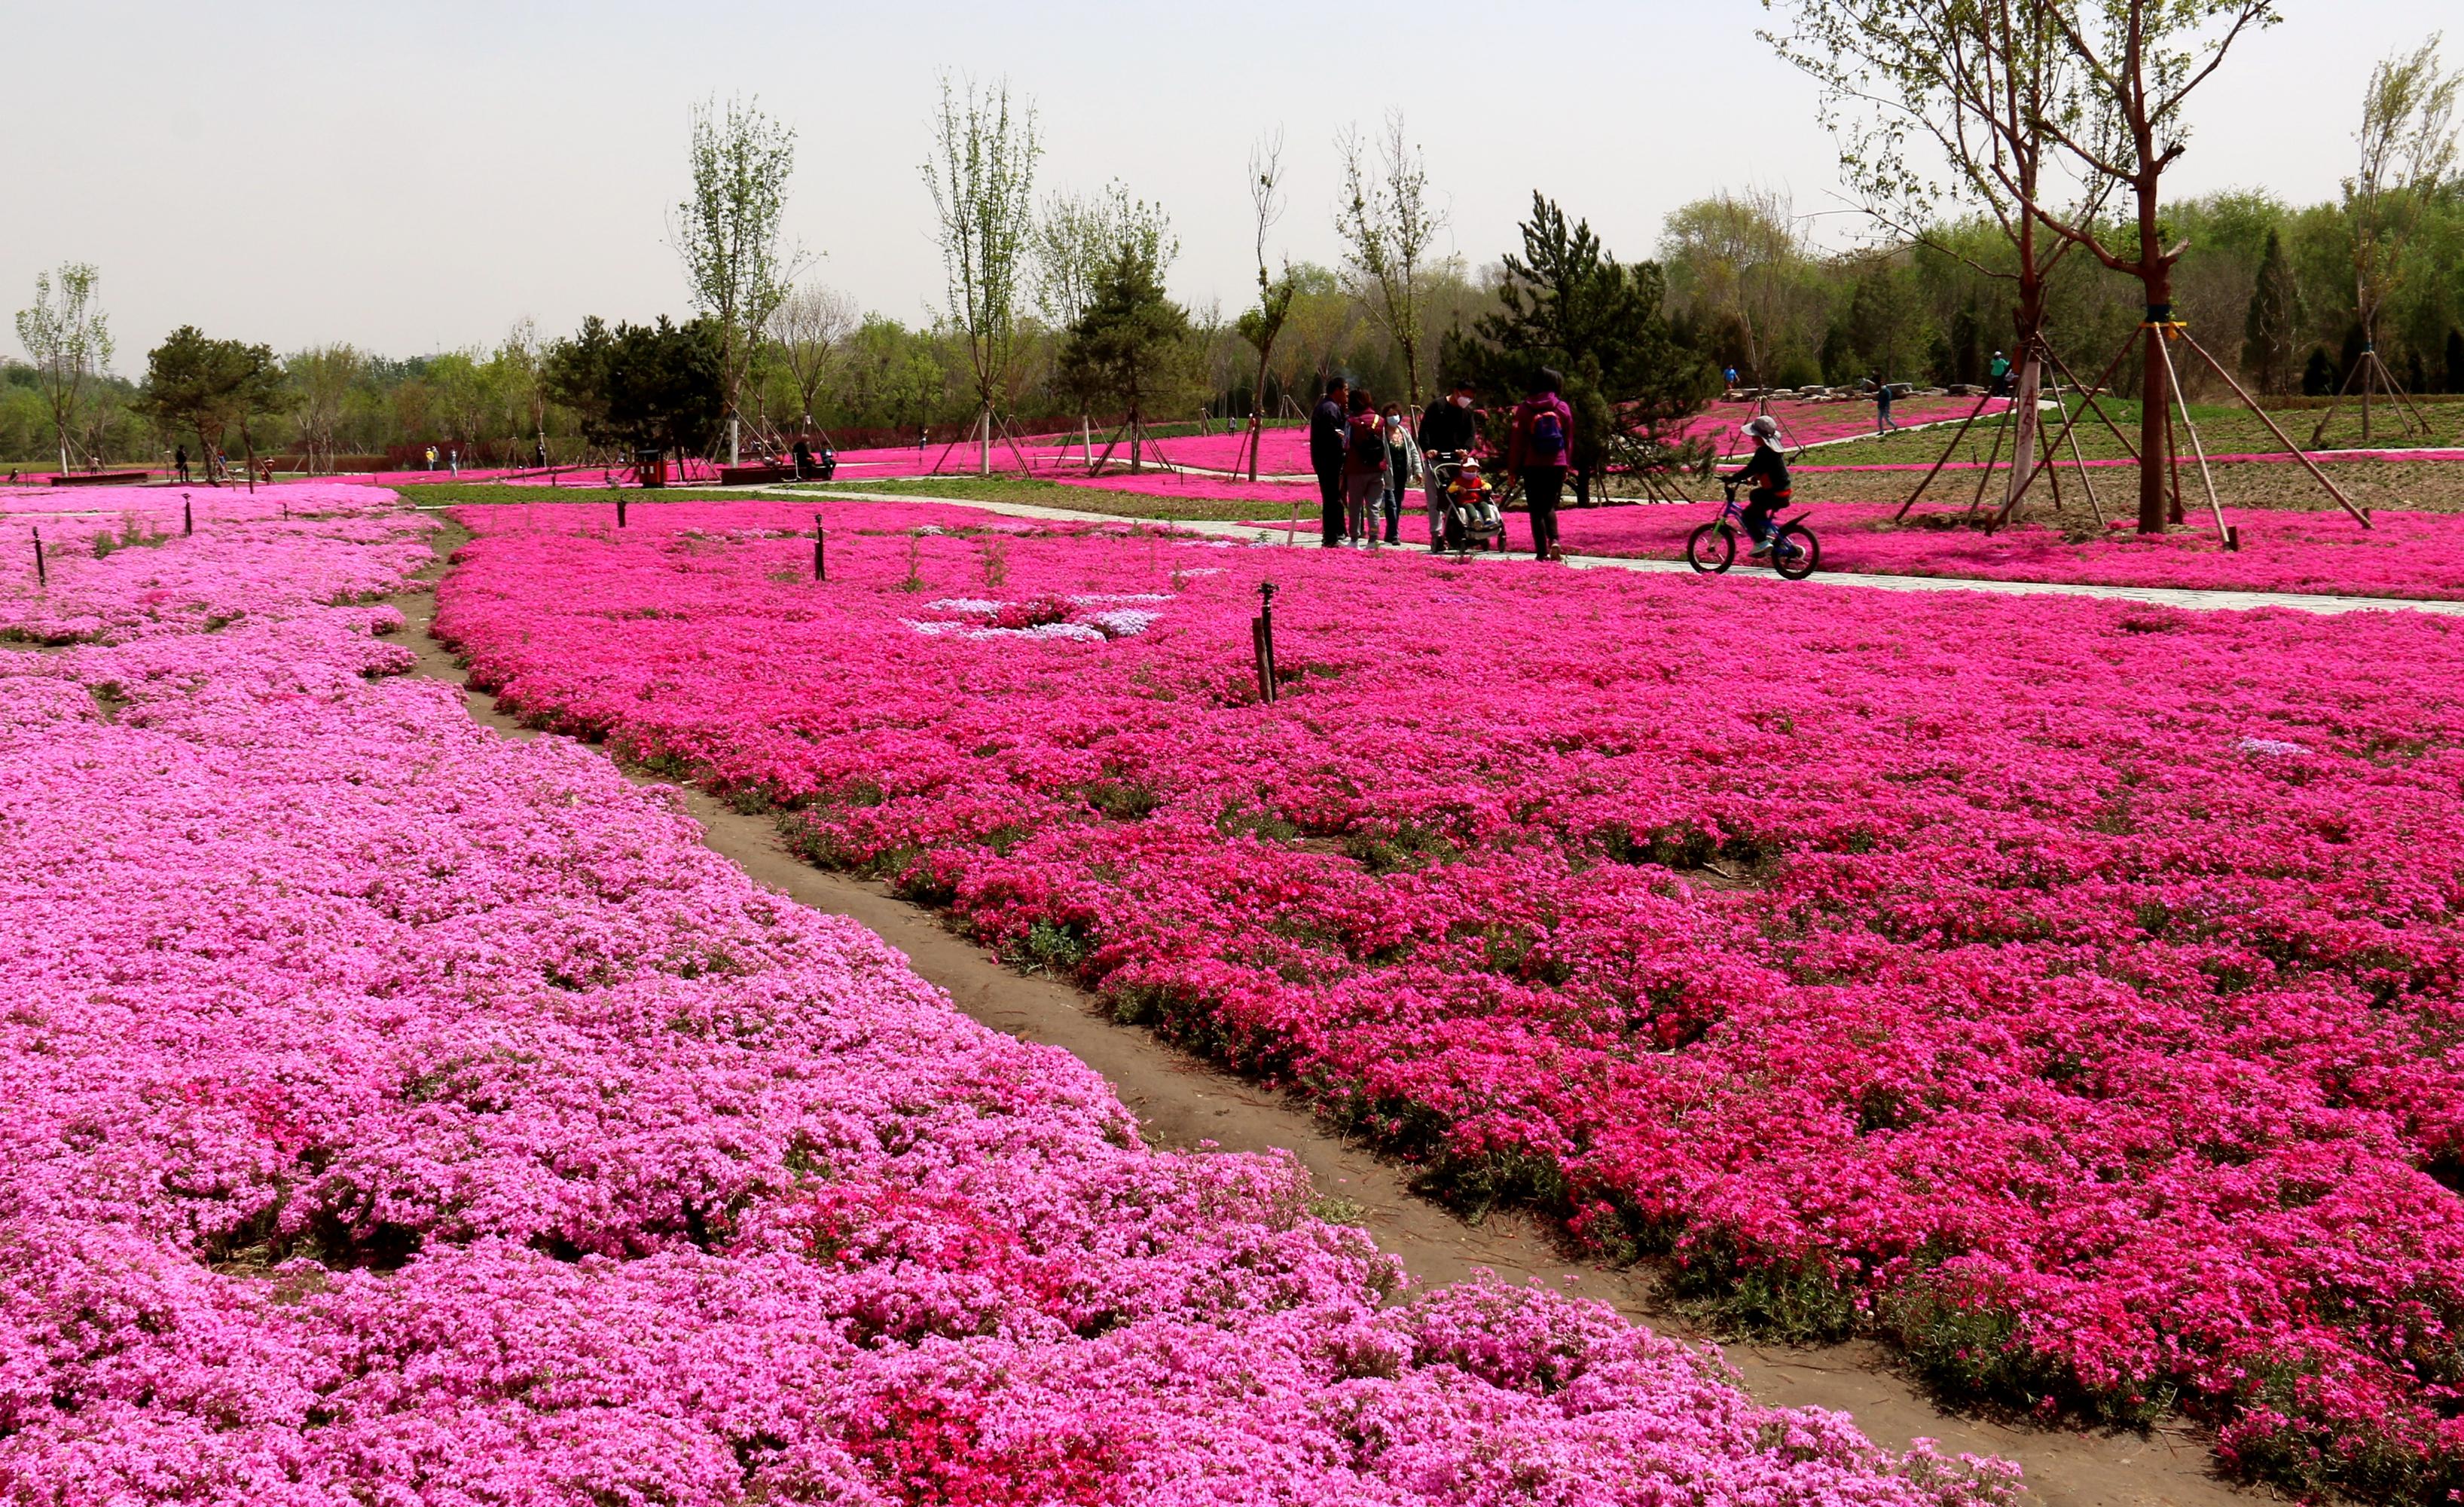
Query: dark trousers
(1394, 513)
(1760, 504)
(1541, 486)
(1330, 492)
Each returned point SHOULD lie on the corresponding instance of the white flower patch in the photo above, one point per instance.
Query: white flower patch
(974, 606)
(1202, 570)
(1099, 598)
(935, 630)
(1073, 631)
(1124, 622)
(2269, 746)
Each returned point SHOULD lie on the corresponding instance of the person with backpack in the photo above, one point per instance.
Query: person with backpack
(1539, 443)
(1364, 467)
(1327, 445)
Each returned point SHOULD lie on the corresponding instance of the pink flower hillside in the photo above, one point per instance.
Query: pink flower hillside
(397, 1113)
(2067, 990)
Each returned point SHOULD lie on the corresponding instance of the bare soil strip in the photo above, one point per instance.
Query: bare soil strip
(1183, 1102)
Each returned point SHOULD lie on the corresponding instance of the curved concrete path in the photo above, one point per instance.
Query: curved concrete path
(2161, 596)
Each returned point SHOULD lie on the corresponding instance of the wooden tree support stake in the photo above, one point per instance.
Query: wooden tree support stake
(1261, 640)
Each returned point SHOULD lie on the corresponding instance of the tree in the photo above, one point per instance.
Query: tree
(1566, 303)
(1264, 324)
(982, 178)
(1130, 348)
(1742, 257)
(1886, 323)
(644, 386)
(807, 327)
(1973, 82)
(1077, 240)
(69, 341)
(208, 386)
(2274, 321)
(727, 234)
(1388, 233)
(515, 372)
(321, 378)
(2407, 141)
(2137, 62)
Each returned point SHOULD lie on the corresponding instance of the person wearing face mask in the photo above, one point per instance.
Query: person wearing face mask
(1402, 468)
(1448, 428)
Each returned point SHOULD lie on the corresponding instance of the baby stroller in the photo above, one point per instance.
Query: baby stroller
(1472, 520)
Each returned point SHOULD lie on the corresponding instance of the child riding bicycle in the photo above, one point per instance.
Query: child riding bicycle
(1769, 467)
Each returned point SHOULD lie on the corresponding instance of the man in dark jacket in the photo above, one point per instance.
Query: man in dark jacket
(1326, 458)
(1449, 426)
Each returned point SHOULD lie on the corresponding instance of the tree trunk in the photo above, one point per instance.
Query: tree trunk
(984, 456)
(2024, 459)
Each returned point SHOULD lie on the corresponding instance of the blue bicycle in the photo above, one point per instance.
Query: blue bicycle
(1712, 548)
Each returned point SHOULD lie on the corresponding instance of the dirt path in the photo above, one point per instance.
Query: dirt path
(1182, 1100)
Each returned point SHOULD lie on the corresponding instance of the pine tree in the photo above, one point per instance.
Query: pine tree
(2274, 314)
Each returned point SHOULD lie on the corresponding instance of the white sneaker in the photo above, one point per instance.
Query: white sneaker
(1759, 550)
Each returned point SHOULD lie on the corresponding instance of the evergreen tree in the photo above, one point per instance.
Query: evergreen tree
(2456, 361)
(2275, 315)
(1130, 347)
(1566, 304)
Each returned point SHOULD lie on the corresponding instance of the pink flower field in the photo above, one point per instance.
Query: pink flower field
(2066, 991)
(396, 1112)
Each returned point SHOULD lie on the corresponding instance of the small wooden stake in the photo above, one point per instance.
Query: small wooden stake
(821, 562)
(1262, 632)
(187, 517)
(620, 509)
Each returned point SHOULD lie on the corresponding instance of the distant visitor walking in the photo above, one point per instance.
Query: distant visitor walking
(1883, 422)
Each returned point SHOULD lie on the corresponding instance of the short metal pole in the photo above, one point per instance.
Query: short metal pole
(42, 571)
(187, 517)
(620, 509)
(1267, 640)
(820, 560)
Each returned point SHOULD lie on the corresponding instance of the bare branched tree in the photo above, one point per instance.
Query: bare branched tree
(2137, 62)
(1390, 233)
(2407, 141)
(1078, 238)
(1262, 325)
(69, 341)
(982, 178)
(1912, 88)
(808, 328)
(728, 232)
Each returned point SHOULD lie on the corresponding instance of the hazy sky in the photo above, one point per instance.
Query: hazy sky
(413, 177)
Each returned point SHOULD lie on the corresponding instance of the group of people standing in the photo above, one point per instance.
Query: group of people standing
(1366, 456)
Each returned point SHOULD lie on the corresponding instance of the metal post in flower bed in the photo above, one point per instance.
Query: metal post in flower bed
(187, 518)
(42, 571)
(821, 562)
(1261, 640)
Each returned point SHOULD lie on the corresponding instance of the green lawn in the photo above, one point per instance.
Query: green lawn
(2224, 430)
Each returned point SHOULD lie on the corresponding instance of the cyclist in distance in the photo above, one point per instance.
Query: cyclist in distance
(1770, 468)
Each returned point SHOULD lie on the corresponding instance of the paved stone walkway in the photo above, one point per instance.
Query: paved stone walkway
(2162, 596)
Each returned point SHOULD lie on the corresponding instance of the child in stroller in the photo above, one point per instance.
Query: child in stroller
(1470, 516)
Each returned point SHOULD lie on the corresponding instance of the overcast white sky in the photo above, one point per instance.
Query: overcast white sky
(413, 177)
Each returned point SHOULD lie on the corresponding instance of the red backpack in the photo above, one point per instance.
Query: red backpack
(1368, 445)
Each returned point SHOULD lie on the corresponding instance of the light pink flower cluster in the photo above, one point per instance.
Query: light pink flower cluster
(1806, 423)
(2067, 989)
(121, 564)
(394, 1113)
